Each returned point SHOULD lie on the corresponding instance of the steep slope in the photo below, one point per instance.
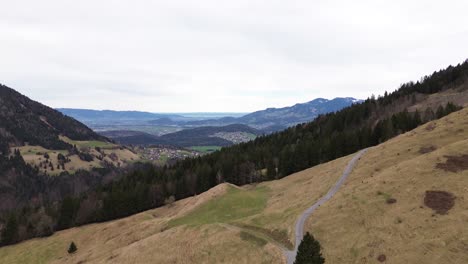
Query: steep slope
(385, 201)
(266, 158)
(26, 121)
(37, 142)
(358, 225)
(50, 141)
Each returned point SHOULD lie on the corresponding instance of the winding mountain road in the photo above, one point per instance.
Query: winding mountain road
(291, 254)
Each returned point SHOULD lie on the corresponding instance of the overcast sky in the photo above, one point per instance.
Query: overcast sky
(225, 56)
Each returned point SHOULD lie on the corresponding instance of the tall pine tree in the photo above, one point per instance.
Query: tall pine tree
(309, 251)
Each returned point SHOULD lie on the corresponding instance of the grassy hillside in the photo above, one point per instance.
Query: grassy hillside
(431, 158)
(266, 158)
(226, 224)
(103, 154)
(381, 210)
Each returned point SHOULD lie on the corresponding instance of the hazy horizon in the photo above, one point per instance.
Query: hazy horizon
(222, 56)
(188, 113)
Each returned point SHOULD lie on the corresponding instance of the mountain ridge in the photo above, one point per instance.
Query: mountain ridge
(25, 121)
(198, 136)
(268, 120)
(283, 117)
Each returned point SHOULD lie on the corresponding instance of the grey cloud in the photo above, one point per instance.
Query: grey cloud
(181, 56)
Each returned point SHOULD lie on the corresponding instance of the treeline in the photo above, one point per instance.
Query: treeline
(268, 157)
(31, 200)
(149, 186)
(26, 121)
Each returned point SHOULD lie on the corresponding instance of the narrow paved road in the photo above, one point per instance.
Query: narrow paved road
(291, 255)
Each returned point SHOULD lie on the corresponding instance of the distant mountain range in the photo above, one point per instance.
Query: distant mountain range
(88, 115)
(268, 120)
(95, 115)
(274, 119)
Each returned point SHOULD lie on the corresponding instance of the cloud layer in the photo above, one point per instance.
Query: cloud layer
(240, 56)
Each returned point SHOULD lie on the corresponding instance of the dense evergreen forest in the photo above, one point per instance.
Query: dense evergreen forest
(268, 157)
(26, 121)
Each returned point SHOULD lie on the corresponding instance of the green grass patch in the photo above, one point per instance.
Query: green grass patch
(93, 144)
(234, 205)
(89, 143)
(205, 149)
(252, 238)
(272, 218)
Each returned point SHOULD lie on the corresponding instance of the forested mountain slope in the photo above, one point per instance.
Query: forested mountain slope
(37, 142)
(26, 121)
(266, 158)
(403, 202)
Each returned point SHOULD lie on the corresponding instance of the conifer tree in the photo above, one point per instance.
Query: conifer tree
(309, 251)
(72, 249)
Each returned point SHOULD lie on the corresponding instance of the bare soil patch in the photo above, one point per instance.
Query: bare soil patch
(439, 201)
(454, 163)
(431, 126)
(381, 258)
(427, 149)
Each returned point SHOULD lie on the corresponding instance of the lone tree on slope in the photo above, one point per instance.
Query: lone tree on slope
(309, 251)
(72, 249)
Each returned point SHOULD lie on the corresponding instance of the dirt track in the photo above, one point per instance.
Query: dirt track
(299, 230)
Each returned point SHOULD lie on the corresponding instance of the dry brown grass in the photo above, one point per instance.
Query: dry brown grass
(123, 156)
(458, 96)
(293, 194)
(356, 226)
(144, 238)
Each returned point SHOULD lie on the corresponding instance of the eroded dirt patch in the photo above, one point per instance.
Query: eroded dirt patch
(454, 163)
(427, 149)
(431, 126)
(382, 258)
(439, 201)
